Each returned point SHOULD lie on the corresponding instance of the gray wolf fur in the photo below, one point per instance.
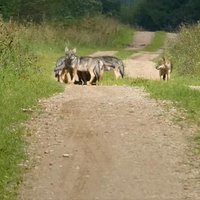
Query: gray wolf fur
(62, 71)
(115, 64)
(165, 68)
(59, 69)
(88, 69)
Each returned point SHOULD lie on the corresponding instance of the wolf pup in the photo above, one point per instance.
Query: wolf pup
(165, 68)
(115, 64)
(87, 66)
(62, 71)
(59, 69)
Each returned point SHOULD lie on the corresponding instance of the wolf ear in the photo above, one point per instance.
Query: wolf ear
(66, 49)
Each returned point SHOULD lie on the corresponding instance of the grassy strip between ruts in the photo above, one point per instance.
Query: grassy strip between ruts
(157, 42)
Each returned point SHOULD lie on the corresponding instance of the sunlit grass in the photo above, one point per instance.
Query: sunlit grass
(18, 94)
(185, 51)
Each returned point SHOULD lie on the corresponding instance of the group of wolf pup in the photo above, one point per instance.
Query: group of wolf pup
(86, 70)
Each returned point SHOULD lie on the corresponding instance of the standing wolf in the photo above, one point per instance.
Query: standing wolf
(62, 72)
(115, 64)
(59, 69)
(91, 69)
(165, 68)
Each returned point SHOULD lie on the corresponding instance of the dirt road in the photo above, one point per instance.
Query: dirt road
(142, 66)
(108, 143)
(142, 39)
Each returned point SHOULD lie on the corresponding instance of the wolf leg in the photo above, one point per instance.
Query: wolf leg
(68, 77)
(92, 76)
(117, 74)
(74, 76)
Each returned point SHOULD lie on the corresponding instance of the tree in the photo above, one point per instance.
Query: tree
(163, 14)
(111, 7)
(38, 10)
(82, 7)
(9, 8)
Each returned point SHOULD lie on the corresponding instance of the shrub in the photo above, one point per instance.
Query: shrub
(185, 52)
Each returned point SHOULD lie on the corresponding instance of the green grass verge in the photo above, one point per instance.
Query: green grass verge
(157, 42)
(17, 94)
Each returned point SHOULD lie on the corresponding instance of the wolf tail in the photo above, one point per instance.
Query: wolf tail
(121, 69)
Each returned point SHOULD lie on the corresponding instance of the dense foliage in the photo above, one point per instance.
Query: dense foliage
(152, 15)
(39, 10)
(22, 83)
(163, 14)
(185, 51)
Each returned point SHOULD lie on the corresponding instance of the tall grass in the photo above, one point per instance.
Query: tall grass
(98, 32)
(23, 82)
(185, 52)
